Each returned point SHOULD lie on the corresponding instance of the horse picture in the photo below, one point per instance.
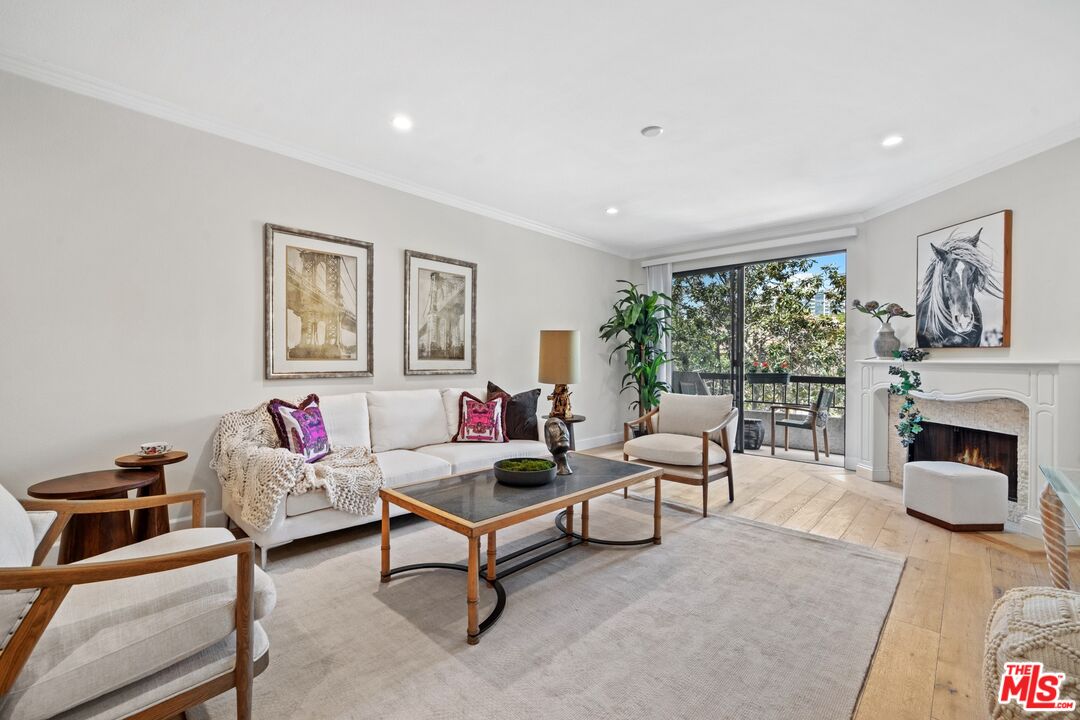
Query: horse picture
(963, 284)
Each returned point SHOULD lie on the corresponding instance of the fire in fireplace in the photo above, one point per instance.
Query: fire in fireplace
(981, 448)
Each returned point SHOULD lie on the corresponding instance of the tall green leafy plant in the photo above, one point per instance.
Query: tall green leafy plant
(639, 321)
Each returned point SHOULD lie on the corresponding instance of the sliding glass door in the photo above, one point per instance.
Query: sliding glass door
(767, 333)
(707, 334)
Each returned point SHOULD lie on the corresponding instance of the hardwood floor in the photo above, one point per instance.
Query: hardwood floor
(928, 664)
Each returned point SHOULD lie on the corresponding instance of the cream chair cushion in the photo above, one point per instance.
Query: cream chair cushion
(671, 449)
(197, 669)
(107, 635)
(691, 414)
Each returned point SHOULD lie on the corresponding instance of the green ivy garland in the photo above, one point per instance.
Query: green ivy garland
(910, 417)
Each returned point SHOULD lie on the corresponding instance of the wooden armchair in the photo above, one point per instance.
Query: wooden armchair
(810, 418)
(183, 636)
(688, 437)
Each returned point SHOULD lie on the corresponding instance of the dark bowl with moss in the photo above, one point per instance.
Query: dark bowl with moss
(525, 472)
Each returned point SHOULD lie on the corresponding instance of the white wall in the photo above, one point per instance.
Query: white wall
(1044, 194)
(131, 285)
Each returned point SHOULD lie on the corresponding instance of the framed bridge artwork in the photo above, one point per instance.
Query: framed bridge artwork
(440, 315)
(964, 284)
(318, 304)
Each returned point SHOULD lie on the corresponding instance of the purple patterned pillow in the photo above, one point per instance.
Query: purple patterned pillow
(301, 429)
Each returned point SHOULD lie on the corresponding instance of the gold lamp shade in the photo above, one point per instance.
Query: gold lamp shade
(560, 352)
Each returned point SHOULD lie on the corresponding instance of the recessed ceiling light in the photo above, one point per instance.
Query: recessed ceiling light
(652, 130)
(402, 123)
(612, 211)
(892, 141)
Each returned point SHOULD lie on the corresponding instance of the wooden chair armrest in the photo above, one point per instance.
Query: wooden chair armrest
(643, 418)
(55, 582)
(65, 509)
(790, 406)
(728, 419)
(92, 572)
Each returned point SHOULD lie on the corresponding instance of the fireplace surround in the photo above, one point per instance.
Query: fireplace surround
(1005, 396)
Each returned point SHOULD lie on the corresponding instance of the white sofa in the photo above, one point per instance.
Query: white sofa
(410, 433)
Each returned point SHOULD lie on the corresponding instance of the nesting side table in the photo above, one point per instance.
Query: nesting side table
(152, 521)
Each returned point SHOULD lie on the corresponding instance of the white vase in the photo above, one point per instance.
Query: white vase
(885, 342)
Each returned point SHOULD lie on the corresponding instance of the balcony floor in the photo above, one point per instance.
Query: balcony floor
(806, 456)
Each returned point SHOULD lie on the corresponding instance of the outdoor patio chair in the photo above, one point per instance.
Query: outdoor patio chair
(810, 417)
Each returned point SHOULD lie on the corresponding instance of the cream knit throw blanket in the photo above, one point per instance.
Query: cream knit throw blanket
(259, 474)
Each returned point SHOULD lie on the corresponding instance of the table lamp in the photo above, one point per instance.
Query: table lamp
(559, 351)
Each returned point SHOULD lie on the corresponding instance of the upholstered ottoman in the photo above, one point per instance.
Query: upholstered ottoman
(1033, 624)
(958, 497)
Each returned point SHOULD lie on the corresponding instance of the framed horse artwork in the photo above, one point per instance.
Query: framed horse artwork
(964, 279)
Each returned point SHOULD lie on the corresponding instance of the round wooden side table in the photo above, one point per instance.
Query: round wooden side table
(152, 521)
(570, 422)
(91, 534)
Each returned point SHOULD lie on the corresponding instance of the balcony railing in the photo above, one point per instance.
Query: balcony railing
(762, 390)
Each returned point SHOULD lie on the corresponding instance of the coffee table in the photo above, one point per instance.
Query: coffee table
(474, 504)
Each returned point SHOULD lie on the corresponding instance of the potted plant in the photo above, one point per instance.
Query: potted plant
(640, 320)
(764, 372)
(886, 343)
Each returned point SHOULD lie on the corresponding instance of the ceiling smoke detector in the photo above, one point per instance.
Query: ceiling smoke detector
(652, 130)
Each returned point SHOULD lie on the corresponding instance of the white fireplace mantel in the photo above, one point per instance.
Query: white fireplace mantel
(1033, 383)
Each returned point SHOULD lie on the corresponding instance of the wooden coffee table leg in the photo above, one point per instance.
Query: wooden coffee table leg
(585, 522)
(385, 574)
(491, 556)
(656, 514)
(473, 594)
(570, 520)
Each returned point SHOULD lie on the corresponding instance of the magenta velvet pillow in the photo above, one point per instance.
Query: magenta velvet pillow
(301, 428)
(482, 421)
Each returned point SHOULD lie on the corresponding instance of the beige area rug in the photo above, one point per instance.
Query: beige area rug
(726, 619)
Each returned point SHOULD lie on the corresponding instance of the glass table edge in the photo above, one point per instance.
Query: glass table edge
(1066, 487)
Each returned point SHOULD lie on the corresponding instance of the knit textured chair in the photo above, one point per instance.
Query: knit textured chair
(810, 417)
(688, 437)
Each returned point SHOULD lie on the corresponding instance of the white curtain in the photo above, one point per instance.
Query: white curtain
(658, 279)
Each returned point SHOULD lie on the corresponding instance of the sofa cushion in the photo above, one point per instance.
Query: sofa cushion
(406, 419)
(346, 418)
(451, 400)
(466, 457)
(672, 449)
(691, 414)
(106, 635)
(401, 467)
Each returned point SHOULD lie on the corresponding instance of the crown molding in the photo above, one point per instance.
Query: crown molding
(83, 84)
(1049, 141)
(774, 241)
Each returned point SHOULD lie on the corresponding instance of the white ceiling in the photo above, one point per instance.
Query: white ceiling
(530, 110)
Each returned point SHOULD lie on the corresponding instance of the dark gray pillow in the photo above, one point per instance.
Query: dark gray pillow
(520, 413)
